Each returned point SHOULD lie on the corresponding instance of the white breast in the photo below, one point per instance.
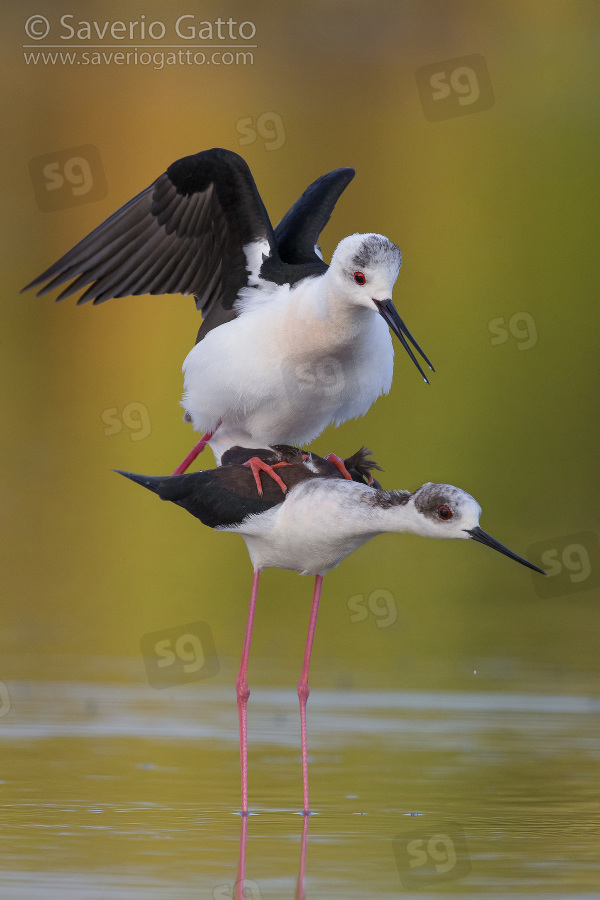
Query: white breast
(285, 369)
(292, 536)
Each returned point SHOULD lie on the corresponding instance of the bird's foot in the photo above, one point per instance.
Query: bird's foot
(339, 464)
(257, 466)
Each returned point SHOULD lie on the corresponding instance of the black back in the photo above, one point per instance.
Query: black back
(225, 496)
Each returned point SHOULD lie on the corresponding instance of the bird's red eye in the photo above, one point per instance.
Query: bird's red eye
(444, 512)
(360, 278)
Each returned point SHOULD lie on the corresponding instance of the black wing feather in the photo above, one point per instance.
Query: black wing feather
(298, 232)
(185, 233)
(225, 496)
(204, 495)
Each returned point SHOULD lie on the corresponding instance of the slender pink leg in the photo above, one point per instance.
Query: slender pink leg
(339, 464)
(184, 466)
(241, 873)
(303, 689)
(243, 692)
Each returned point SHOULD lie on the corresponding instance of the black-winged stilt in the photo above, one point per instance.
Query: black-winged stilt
(310, 529)
(288, 345)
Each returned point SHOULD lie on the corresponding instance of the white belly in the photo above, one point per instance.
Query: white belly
(275, 379)
(290, 536)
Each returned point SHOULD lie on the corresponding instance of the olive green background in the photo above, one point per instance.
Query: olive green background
(496, 214)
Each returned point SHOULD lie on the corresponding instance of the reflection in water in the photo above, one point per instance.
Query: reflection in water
(302, 869)
(245, 889)
(241, 872)
(124, 792)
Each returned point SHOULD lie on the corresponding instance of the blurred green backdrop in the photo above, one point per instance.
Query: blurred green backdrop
(495, 208)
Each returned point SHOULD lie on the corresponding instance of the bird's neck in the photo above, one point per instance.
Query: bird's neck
(381, 512)
(326, 321)
(348, 317)
(336, 296)
(353, 510)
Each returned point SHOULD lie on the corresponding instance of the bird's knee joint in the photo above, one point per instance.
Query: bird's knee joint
(303, 691)
(243, 692)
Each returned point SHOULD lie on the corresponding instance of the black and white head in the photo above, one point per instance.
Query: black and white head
(444, 511)
(363, 272)
(365, 267)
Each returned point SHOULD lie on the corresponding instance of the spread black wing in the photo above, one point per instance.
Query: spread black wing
(183, 234)
(186, 233)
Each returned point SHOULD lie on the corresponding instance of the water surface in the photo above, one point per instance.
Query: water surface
(125, 792)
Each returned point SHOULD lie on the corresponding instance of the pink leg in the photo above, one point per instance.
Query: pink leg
(184, 466)
(243, 692)
(303, 689)
(339, 464)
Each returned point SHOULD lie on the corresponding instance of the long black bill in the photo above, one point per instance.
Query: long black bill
(478, 534)
(390, 314)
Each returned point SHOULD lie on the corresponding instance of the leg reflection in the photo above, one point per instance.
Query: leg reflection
(304, 690)
(299, 895)
(238, 893)
(246, 889)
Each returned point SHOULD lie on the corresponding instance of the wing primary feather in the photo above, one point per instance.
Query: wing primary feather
(113, 227)
(298, 232)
